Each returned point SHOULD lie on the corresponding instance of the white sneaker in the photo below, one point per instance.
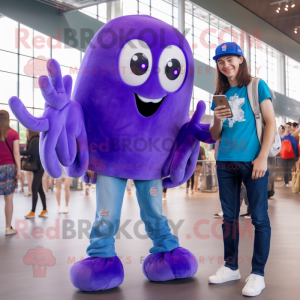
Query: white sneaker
(60, 210)
(254, 286)
(66, 210)
(220, 214)
(224, 274)
(288, 184)
(164, 199)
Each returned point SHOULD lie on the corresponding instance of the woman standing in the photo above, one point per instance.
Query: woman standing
(201, 156)
(242, 158)
(67, 181)
(10, 167)
(32, 151)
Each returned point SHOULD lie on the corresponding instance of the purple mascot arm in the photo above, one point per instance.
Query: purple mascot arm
(181, 162)
(63, 138)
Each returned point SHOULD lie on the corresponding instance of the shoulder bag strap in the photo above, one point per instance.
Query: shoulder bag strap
(252, 90)
(10, 151)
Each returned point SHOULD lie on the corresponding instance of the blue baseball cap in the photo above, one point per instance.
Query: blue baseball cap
(227, 49)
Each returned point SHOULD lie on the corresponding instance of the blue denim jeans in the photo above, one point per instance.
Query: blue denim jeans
(110, 193)
(230, 176)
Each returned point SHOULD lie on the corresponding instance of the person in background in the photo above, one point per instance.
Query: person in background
(294, 128)
(32, 151)
(67, 182)
(295, 131)
(29, 176)
(10, 167)
(191, 182)
(47, 182)
(22, 180)
(281, 130)
(128, 186)
(164, 194)
(289, 153)
(201, 156)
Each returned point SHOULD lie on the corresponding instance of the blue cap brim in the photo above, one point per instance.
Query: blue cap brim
(225, 54)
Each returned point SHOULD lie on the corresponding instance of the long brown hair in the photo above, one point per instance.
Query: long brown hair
(31, 134)
(243, 78)
(4, 125)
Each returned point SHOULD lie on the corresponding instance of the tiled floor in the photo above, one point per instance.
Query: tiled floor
(17, 280)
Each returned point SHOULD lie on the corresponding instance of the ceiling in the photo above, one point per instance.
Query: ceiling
(72, 5)
(285, 21)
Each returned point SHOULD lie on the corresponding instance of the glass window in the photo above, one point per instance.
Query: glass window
(8, 86)
(26, 65)
(175, 12)
(41, 45)
(199, 95)
(9, 62)
(90, 11)
(201, 14)
(26, 90)
(67, 56)
(189, 38)
(22, 134)
(160, 15)
(175, 23)
(69, 71)
(162, 6)
(8, 35)
(188, 19)
(38, 113)
(292, 79)
(26, 38)
(38, 101)
(198, 23)
(102, 12)
(7, 108)
(13, 124)
(129, 7)
(144, 9)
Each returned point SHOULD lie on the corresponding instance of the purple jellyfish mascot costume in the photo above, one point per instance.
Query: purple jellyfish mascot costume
(128, 119)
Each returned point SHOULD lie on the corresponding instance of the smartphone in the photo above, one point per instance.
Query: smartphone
(222, 100)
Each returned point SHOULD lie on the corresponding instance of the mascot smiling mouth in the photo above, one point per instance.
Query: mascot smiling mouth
(147, 106)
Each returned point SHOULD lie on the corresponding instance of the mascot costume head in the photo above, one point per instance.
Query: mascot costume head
(127, 119)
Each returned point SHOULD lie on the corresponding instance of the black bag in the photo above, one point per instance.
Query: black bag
(27, 165)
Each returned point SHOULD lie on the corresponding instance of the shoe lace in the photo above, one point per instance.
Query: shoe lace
(251, 280)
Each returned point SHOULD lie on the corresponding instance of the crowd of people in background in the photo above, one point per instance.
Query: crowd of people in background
(30, 169)
(289, 149)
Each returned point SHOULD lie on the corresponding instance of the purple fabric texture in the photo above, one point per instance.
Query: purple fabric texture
(97, 273)
(62, 124)
(182, 160)
(164, 266)
(112, 105)
(102, 128)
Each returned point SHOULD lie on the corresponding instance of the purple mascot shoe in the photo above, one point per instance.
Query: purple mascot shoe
(164, 266)
(97, 273)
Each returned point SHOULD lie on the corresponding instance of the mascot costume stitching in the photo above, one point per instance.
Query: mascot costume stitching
(128, 118)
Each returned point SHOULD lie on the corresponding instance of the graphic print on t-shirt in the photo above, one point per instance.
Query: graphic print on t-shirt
(236, 104)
